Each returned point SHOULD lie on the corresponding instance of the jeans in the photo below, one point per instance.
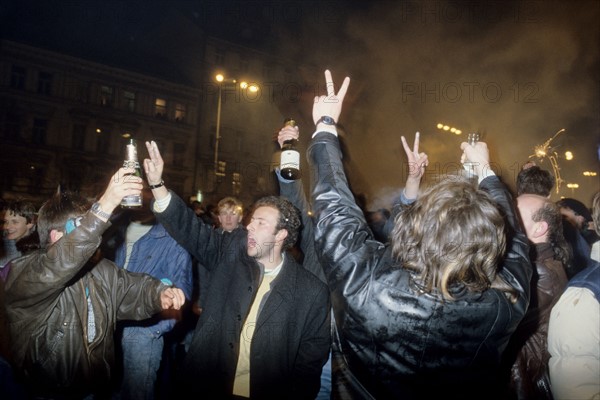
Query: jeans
(142, 354)
(325, 392)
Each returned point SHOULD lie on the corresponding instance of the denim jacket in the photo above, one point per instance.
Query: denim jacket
(158, 254)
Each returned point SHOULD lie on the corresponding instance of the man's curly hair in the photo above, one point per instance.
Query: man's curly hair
(289, 217)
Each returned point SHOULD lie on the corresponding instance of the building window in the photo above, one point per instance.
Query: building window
(180, 111)
(179, 154)
(44, 83)
(237, 183)
(160, 108)
(102, 140)
(78, 139)
(106, 96)
(82, 92)
(39, 131)
(17, 77)
(129, 101)
(12, 126)
(219, 57)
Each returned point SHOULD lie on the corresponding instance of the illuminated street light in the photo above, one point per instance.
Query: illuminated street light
(589, 173)
(568, 155)
(220, 78)
(447, 128)
(573, 186)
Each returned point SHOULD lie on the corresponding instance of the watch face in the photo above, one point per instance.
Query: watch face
(328, 120)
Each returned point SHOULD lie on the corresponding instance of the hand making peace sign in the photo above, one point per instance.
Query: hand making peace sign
(331, 104)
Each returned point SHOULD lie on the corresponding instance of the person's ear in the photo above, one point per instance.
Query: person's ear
(55, 235)
(541, 229)
(281, 235)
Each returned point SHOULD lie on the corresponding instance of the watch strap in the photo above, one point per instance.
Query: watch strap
(327, 120)
(162, 183)
(98, 211)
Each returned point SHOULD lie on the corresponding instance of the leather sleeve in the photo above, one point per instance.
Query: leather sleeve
(342, 236)
(516, 268)
(294, 192)
(47, 272)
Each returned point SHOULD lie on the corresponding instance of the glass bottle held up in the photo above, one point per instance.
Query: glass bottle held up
(131, 161)
(289, 165)
(469, 166)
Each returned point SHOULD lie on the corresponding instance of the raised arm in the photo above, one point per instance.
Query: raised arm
(341, 229)
(294, 192)
(195, 236)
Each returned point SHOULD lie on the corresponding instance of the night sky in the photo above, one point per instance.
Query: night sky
(516, 71)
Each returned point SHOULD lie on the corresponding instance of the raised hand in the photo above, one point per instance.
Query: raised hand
(122, 183)
(287, 133)
(416, 167)
(477, 154)
(331, 104)
(153, 167)
(416, 161)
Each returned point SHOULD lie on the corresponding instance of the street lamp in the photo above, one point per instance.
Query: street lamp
(447, 128)
(220, 78)
(573, 186)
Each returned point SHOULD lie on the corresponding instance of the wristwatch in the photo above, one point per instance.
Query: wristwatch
(327, 120)
(98, 211)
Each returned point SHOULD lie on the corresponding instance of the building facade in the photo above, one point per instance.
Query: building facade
(65, 121)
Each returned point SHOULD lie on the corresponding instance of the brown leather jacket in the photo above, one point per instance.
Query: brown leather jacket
(529, 373)
(47, 312)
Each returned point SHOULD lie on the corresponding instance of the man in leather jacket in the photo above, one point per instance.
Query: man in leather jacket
(429, 315)
(62, 310)
(527, 350)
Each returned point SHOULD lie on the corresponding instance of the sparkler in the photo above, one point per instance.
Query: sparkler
(545, 151)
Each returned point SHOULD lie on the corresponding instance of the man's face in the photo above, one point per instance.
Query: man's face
(262, 235)
(528, 205)
(229, 218)
(15, 226)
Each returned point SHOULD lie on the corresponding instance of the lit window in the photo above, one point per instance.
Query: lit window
(236, 183)
(160, 108)
(180, 111)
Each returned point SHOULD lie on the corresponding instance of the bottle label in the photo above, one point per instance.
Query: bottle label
(290, 159)
(131, 164)
(132, 200)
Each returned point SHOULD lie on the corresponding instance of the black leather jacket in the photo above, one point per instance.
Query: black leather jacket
(47, 313)
(398, 341)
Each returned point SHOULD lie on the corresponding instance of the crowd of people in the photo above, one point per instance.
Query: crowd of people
(462, 290)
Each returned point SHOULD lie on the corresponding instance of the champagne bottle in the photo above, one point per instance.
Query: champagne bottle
(289, 165)
(469, 166)
(131, 161)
